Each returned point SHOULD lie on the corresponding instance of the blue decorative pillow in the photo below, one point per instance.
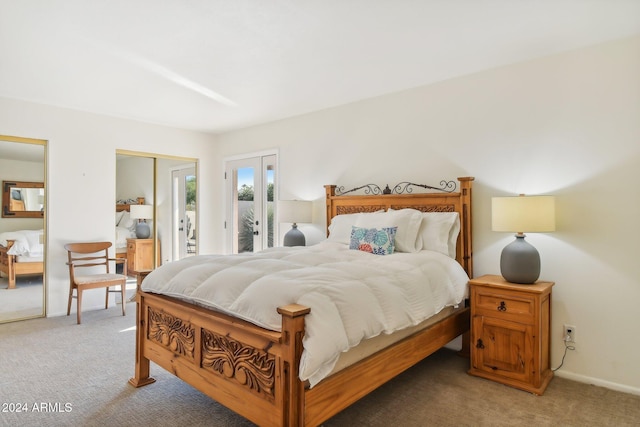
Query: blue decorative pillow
(378, 241)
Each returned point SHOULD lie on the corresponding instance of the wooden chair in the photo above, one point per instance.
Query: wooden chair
(94, 255)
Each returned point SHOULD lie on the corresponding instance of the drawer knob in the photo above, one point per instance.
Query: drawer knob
(502, 306)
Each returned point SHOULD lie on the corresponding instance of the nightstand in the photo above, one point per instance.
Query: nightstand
(510, 332)
(139, 255)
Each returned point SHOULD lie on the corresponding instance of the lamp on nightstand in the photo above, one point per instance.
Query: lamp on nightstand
(142, 213)
(520, 261)
(294, 211)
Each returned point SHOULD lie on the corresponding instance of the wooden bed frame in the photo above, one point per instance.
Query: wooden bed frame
(254, 371)
(12, 268)
(127, 206)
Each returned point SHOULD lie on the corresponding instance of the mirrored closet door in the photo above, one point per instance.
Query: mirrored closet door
(22, 228)
(167, 184)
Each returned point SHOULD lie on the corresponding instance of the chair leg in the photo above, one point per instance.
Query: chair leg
(124, 301)
(106, 299)
(70, 298)
(79, 299)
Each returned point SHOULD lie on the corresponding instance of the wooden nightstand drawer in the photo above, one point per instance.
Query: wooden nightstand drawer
(504, 305)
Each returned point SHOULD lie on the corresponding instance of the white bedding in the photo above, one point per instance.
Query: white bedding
(122, 234)
(28, 243)
(353, 295)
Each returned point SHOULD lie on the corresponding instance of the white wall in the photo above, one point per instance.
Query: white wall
(134, 178)
(81, 177)
(567, 125)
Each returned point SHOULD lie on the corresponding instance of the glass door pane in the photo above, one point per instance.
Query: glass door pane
(269, 190)
(184, 212)
(251, 187)
(245, 209)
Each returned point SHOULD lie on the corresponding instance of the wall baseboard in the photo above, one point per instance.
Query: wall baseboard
(598, 382)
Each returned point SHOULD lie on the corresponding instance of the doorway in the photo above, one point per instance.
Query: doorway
(250, 193)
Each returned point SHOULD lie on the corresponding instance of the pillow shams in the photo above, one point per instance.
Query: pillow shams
(378, 241)
(127, 222)
(439, 232)
(407, 222)
(340, 227)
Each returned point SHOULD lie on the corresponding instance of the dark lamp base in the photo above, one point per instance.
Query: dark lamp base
(142, 230)
(294, 237)
(520, 262)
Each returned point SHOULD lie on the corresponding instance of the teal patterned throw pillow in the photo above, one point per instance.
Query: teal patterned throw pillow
(378, 241)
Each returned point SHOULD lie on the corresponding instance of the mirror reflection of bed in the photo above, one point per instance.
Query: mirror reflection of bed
(21, 274)
(22, 236)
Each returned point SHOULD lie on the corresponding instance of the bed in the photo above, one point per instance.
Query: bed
(256, 371)
(21, 253)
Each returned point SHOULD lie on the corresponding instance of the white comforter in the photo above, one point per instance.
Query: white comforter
(353, 295)
(27, 242)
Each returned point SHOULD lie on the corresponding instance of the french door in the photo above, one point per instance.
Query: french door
(250, 193)
(183, 184)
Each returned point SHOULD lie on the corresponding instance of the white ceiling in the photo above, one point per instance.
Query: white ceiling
(217, 65)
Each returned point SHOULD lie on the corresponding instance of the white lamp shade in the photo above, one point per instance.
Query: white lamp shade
(521, 214)
(141, 211)
(298, 211)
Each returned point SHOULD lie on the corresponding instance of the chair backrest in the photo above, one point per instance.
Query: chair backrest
(88, 254)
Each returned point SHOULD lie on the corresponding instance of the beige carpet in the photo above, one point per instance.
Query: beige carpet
(24, 301)
(65, 374)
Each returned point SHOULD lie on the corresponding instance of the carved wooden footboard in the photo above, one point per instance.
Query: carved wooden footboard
(12, 269)
(251, 370)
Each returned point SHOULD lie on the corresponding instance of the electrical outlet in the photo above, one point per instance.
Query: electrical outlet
(569, 333)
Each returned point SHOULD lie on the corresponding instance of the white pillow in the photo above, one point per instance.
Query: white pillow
(340, 227)
(439, 232)
(408, 222)
(126, 221)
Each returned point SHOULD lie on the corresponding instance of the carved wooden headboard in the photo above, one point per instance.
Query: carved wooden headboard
(442, 201)
(127, 206)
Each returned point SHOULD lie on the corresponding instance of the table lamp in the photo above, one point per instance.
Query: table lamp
(520, 261)
(142, 213)
(294, 211)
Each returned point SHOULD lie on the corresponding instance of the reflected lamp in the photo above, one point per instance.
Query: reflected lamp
(142, 213)
(520, 261)
(294, 212)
